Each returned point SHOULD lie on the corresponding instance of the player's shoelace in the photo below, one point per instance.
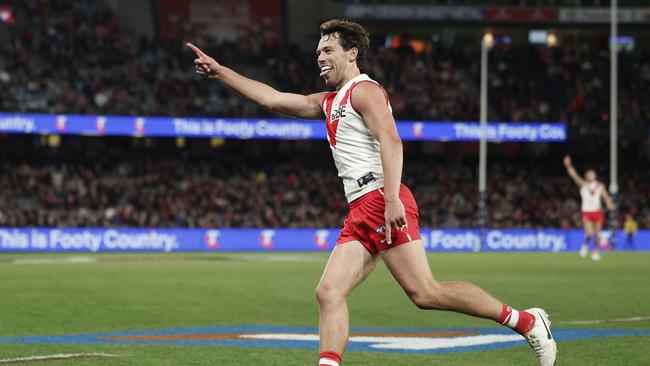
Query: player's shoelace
(536, 344)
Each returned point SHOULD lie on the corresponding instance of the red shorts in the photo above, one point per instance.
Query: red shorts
(366, 223)
(594, 216)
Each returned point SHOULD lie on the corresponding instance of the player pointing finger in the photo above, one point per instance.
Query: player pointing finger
(205, 65)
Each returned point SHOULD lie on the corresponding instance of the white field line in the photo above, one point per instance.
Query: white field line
(54, 357)
(619, 320)
(401, 343)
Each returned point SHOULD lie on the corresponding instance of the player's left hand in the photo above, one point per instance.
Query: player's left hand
(395, 216)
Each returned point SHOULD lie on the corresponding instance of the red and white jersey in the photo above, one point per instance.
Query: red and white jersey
(591, 194)
(354, 148)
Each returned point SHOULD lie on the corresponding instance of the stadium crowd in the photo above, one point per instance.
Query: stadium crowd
(77, 58)
(273, 184)
(570, 84)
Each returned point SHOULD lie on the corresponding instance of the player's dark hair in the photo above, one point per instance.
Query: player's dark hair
(351, 35)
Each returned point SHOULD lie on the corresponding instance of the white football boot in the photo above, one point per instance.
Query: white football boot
(584, 250)
(540, 338)
(595, 255)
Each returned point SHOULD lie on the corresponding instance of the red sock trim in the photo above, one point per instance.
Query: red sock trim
(331, 355)
(506, 312)
(525, 323)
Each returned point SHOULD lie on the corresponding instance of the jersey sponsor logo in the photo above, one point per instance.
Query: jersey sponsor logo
(367, 178)
(381, 230)
(338, 113)
(333, 118)
(386, 340)
(333, 123)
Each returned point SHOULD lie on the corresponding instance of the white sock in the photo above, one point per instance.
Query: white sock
(328, 362)
(511, 319)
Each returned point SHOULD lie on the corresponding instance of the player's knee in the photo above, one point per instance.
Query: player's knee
(428, 299)
(328, 295)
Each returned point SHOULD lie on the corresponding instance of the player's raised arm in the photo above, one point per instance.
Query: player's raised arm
(606, 198)
(370, 101)
(572, 172)
(296, 105)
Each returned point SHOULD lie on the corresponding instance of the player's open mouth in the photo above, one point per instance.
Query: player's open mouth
(324, 70)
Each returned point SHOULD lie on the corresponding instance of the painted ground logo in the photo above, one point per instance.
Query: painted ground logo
(400, 340)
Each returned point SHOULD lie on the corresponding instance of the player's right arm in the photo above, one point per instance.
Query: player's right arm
(295, 105)
(572, 172)
(605, 196)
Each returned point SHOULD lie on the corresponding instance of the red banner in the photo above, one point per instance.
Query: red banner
(224, 19)
(520, 14)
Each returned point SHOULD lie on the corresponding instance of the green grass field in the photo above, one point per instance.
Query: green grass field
(131, 292)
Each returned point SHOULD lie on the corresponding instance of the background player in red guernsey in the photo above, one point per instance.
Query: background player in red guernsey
(592, 192)
(383, 218)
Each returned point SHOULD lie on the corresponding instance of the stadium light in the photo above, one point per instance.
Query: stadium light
(488, 40)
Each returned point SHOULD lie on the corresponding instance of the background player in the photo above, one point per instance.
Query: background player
(592, 192)
(383, 218)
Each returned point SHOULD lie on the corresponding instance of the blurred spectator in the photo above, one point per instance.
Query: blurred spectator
(630, 227)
